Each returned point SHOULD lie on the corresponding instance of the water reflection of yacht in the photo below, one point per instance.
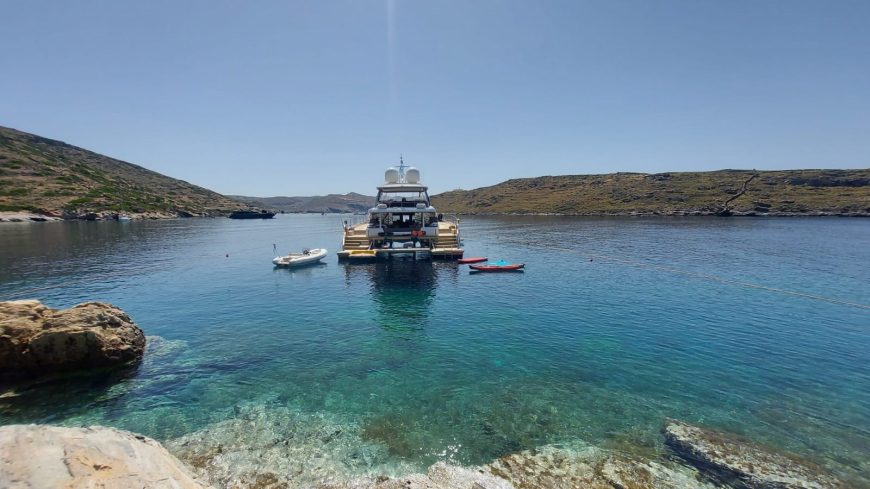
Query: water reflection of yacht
(402, 290)
(403, 222)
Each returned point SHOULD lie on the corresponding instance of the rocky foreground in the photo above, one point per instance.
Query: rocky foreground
(739, 463)
(277, 447)
(37, 340)
(33, 456)
(42, 457)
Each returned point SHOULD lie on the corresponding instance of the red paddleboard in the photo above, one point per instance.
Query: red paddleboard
(475, 259)
(497, 268)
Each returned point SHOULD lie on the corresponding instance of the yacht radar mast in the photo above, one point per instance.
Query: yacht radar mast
(402, 170)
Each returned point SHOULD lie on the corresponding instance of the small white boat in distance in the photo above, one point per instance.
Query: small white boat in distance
(306, 257)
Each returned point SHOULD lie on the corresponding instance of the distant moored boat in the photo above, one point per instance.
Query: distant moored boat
(252, 215)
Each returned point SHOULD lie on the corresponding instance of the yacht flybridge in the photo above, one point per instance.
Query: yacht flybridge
(402, 223)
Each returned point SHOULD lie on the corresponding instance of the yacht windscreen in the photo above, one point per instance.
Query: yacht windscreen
(403, 197)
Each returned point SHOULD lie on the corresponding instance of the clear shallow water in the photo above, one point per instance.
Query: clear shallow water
(429, 362)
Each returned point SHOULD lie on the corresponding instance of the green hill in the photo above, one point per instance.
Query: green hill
(332, 203)
(54, 178)
(724, 192)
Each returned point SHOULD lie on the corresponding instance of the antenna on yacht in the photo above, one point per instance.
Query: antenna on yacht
(401, 168)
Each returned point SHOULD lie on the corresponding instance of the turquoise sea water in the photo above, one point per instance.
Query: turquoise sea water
(747, 325)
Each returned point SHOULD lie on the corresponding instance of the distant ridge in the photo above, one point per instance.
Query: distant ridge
(332, 203)
(723, 192)
(54, 178)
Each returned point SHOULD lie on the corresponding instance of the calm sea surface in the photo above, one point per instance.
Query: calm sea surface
(752, 326)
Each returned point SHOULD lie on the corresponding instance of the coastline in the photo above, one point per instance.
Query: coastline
(672, 214)
(28, 217)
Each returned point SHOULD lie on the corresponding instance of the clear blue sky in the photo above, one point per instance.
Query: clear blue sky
(300, 98)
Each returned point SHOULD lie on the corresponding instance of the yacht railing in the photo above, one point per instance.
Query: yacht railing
(452, 218)
(351, 221)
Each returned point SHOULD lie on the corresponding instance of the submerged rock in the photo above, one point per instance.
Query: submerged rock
(739, 463)
(35, 339)
(266, 447)
(34, 457)
(277, 446)
(158, 347)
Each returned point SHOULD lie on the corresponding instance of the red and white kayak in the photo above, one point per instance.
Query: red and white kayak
(499, 266)
(474, 259)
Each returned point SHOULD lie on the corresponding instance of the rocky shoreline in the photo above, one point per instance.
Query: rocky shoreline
(7, 217)
(683, 213)
(98, 216)
(278, 447)
(33, 456)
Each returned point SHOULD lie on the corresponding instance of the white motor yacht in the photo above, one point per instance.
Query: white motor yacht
(403, 222)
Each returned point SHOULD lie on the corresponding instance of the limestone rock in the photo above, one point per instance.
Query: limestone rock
(37, 457)
(35, 339)
(22, 216)
(741, 464)
(544, 468)
(439, 476)
(590, 468)
(622, 473)
(551, 467)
